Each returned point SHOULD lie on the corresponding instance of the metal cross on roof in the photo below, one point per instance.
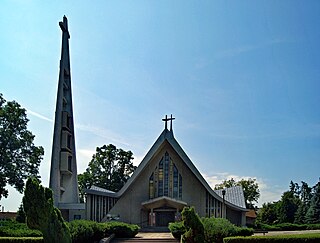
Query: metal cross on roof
(166, 119)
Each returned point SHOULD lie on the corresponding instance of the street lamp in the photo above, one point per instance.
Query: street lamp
(223, 205)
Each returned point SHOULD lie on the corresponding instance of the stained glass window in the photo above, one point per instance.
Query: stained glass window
(166, 174)
(165, 180)
(160, 181)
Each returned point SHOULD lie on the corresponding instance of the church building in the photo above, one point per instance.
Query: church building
(163, 184)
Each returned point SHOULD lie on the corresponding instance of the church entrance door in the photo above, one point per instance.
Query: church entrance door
(163, 218)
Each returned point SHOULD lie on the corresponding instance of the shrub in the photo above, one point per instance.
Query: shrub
(313, 226)
(14, 229)
(177, 229)
(194, 227)
(215, 229)
(289, 226)
(83, 231)
(121, 230)
(241, 231)
(306, 238)
(21, 240)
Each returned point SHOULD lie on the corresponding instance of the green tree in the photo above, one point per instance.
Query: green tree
(109, 168)
(21, 215)
(42, 215)
(250, 189)
(19, 157)
(313, 213)
(304, 204)
(268, 214)
(288, 206)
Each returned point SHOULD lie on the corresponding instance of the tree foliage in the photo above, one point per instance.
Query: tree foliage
(19, 157)
(313, 213)
(42, 215)
(287, 207)
(193, 225)
(21, 215)
(250, 189)
(268, 214)
(109, 168)
(299, 205)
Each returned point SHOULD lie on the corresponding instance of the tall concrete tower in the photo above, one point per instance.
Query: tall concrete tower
(63, 174)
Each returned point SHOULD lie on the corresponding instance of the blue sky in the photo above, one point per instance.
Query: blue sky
(242, 79)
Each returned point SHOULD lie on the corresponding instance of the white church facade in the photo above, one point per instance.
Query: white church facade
(164, 183)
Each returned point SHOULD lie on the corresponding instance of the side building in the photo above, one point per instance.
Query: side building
(165, 181)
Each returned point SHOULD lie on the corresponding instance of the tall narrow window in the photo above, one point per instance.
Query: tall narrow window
(180, 186)
(69, 163)
(166, 174)
(175, 182)
(160, 182)
(69, 141)
(151, 187)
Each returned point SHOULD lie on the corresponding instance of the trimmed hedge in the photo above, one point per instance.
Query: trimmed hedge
(15, 229)
(306, 238)
(121, 230)
(288, 227)
(241, 231)
(83, 231)
(215, 229)
(21, 240)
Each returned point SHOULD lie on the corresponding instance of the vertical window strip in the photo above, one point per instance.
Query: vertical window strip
(180, 186)
(170, 178)
(207, 199)
(160, 181)
(175, 182)
(166, 174)
(151, 187)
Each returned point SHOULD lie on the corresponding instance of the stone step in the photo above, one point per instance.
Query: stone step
(155, 229)
(143, 240)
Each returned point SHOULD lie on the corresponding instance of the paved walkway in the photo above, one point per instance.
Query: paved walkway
(148, 237)
(159, 235)
(289, 232)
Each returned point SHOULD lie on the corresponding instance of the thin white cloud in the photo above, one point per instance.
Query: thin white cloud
(103, 133)
(35, 114)
(247, 48)
(97, 131)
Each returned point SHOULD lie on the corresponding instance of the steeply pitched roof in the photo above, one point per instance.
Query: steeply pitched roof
(235, 201)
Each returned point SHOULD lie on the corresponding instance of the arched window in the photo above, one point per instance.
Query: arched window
(166, 179)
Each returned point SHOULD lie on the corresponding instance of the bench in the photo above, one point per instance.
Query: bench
(261, 231)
